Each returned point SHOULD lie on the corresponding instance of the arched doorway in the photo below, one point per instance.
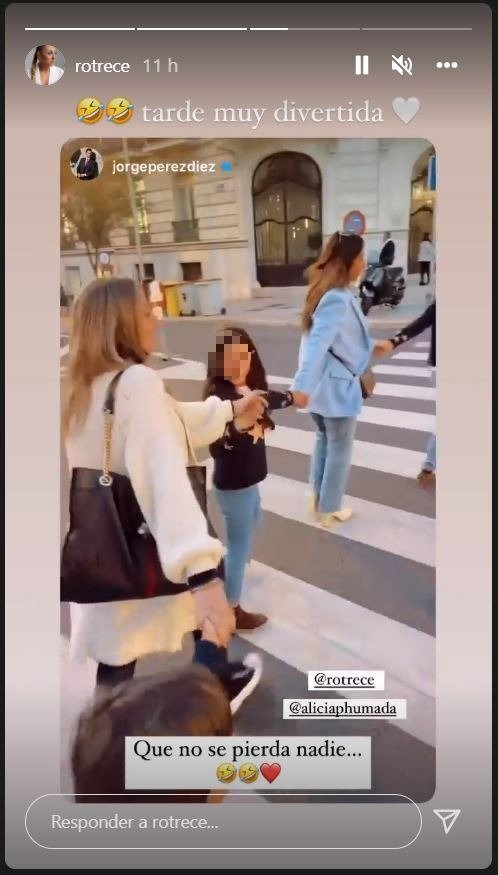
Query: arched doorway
(287, 203)
(422, 206)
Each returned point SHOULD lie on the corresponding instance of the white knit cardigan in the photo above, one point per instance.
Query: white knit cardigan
(149, 445)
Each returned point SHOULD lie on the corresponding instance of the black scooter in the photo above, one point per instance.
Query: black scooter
(382, 285)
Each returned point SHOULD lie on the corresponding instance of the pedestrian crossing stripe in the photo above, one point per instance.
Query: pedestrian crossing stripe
(414, 356)
(402, 371)
(403, 390)
(398, 418)
(395, 531)
(193, 371)
(330, 631)
(376, 457)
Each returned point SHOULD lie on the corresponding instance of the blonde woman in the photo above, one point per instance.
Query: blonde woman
(114, 329)
(44, 70)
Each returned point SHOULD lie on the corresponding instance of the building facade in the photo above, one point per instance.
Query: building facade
(260, 218)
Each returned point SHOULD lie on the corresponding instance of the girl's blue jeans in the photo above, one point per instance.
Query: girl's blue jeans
(241, 510)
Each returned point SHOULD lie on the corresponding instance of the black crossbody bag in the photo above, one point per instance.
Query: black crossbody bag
(109, 553)
(367, 378)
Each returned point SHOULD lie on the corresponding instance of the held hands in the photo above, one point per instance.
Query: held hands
(383, 348)
(211, 605)
(249, 409)
(301, 399)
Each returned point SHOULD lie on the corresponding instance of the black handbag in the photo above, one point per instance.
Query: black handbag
(109, 554)
(367, 378)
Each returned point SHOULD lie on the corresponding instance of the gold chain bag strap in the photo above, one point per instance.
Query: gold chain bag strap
(109, 554)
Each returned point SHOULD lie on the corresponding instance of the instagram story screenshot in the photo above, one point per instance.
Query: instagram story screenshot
(248, 502)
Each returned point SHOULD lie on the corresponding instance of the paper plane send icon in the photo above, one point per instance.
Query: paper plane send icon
(447, 816)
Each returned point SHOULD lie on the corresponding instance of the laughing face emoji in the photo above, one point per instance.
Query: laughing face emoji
(89, 110)
(119, 110)
(248, 773)
(226, 773)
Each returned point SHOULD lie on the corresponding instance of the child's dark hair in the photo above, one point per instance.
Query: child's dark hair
(191, 702)
(256, 377)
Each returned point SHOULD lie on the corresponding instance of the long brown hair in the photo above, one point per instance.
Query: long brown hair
(330, 271)
(104, 337)
(256, 377)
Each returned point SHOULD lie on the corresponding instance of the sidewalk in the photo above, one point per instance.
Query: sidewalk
(283, 306)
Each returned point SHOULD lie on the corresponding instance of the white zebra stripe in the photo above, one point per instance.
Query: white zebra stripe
(402, 390)
(331, 632)
(196, 372)
(402, 371)
(398, 418)
(390, 529)
(414, 356)
(376, 457)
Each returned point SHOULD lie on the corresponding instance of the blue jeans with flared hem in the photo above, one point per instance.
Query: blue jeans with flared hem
(241, 510)
(331, 460)
(430, 462)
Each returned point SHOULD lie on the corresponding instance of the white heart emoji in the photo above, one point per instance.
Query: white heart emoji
(406, 108)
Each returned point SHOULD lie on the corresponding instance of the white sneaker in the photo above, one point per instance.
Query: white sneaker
(241, 679)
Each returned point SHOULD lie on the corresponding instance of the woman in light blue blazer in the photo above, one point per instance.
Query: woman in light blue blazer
(336, 347)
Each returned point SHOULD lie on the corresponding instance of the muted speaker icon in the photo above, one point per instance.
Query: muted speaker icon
(401, 65)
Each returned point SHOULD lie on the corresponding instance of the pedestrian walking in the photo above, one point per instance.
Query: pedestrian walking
(113, 333)
(388, 251)
(425, 259)
(335, 351)
(427, 475)
(234, 369)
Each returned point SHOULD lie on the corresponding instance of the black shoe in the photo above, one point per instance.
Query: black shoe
(240, 679)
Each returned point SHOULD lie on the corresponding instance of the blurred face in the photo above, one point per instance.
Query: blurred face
(358, 267)
(47, 56)
(236, 361)
(88, 153)
(147, 325)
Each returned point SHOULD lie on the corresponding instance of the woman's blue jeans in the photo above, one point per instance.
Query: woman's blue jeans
(430, 462)
(331, 460)
(241, 510)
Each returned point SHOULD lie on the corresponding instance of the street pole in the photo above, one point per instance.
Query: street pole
(133, 206)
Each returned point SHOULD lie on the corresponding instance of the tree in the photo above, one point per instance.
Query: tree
(92, 209)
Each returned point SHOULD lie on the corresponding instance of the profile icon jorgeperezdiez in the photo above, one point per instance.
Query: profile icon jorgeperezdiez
(86, 163)
(44, 65)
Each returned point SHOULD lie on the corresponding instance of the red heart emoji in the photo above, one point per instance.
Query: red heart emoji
(270, 772)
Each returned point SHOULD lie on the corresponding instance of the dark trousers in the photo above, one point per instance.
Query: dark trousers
(205, 652)
(425, 272)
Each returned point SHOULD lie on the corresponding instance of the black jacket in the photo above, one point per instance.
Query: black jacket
(90, 170)
(387, 252)
(240, 457)
(426, 320)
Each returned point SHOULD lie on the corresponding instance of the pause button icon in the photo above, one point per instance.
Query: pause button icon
(361, 65)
